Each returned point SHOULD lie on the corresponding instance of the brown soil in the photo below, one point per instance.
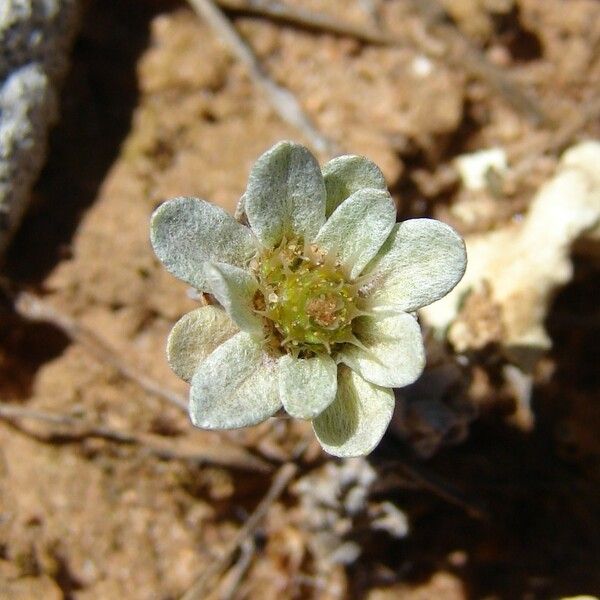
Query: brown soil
(155, 107)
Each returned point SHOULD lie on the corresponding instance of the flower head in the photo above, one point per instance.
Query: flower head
(316, 297)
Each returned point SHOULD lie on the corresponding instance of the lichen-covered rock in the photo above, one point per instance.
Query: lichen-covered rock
(34, 41)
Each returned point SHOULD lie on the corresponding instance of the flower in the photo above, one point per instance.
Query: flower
(316, 297)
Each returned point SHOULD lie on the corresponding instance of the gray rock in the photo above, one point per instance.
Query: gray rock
(35, 38)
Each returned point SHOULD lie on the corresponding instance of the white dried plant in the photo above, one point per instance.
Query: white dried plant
(333, 502)
(317, 297)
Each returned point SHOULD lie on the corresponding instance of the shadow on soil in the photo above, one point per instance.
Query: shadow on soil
(540, 536)
(97, 103)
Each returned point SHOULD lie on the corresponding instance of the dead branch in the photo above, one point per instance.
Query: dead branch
(562, 137)
(308, 19)
(397, 471)
(193, 450)
(565, 135)
(463, 54)
(32, 308)
(235, 575)
(199, 589)
(467, 56)
(283, 100)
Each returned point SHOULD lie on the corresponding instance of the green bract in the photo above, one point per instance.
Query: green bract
(316, 297)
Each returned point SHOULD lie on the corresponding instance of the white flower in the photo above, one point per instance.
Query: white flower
(317, 297)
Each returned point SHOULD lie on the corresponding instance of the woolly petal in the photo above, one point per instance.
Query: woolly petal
(234, 288)
(307, 386)
(357, 419)
(393, 353)
(347, 174)
(421, 261)
(285, 195)
(185, 232)
(195, 336)
(358, 228)
(236, 386)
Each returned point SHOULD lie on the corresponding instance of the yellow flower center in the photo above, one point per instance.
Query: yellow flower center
(305, 299)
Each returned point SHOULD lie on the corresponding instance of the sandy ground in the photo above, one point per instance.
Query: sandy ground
(156, 107)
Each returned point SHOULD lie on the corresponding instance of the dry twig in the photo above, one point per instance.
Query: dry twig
(303, 17)
(465, 55)
(195, 450)
(282, 99)
(562, 137)
(199, 589)
(429, 482)
(33, 308)
(235, 575)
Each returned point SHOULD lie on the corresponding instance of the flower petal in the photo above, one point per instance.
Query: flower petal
(347, 174)
(307, 385)
(357, 419)
(357, 229)
(195, 336)
(234, 288)
(421, 261)
(285, 195)
(185, 232)
(393, 353)
(236, 386)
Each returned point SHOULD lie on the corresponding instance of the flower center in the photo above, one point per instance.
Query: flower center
(305, 299)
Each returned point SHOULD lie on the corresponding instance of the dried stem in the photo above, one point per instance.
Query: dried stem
(465, 55)
(224, 453)
(198, 451)
(235, 575)
(282, 99)
(303, 17)
(282, 478)
(33, 308)
(563, 136)
(470, 58)
(427, 481)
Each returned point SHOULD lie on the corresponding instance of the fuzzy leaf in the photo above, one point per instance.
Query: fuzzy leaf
(357, 419)
(307, 386)
(236, 386)
(420, 262)
(186, 232)
(285, 195)
(394, 355)
(195, 336)
(347, 174)
(358, 228)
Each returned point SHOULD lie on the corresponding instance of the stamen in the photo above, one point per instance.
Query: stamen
(305, 298)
